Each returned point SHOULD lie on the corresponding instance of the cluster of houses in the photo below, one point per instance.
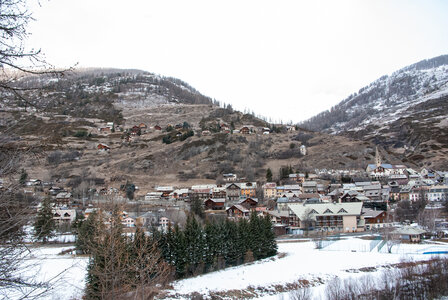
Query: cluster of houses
(305, 202)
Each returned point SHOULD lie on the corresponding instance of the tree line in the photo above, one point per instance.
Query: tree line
(138, 265)
(197, 248)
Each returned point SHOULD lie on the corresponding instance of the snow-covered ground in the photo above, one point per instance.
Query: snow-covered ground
(64, 273)
(296, 261)
(302, 262)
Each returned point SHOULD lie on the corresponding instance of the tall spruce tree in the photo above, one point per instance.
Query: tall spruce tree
(179, 252)
(44, 225)
(268, 175)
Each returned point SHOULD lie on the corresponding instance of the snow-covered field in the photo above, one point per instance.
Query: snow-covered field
(302, 262)
(264, 279)
(65, 274)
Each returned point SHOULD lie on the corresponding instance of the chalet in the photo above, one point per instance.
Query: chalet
(180, 194)
(308, 196)
(201, 192)
(105, 129)
(303, 150)
(375, 218)
(64, 216)
(249, 203)
(215, 204)
(206, 133)
(282, 203)
(225, 128)
(340, 217)
(142, 126)
(299, 178)
(219, 192)
(352, 196)
(135, 130)
(103, 148)
(233, 191)
(290, 128)
(229, 177)
(245, 130)
(165, 190)
(409, 233)
(279, 216)
(63, 199)
(157, 127)
(309, 187)
(270, 190)
(290, 189)
(266, 130)
(237, 211)
(248, 189)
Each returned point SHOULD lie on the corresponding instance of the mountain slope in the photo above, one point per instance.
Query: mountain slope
(405, 112)
(64, 123)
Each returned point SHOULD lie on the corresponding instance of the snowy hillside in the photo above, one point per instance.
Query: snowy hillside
(403, 111)
(387, 99)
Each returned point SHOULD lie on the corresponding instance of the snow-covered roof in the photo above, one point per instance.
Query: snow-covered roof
(326, 209)
(409, 230)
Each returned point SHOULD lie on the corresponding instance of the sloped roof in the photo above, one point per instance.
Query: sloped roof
(239, 207)
(370, 213)
(216, 200)
(409, 230)
(321, 209)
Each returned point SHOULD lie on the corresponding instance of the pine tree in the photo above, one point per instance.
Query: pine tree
(268, 175)
(197, 207)
(23, 177)
(44, 225)
(211, 245)
(243, 237)
(87, 231)
(179, 252)
(194, 241)
(232, 256)
(256, 237)
(269, 245)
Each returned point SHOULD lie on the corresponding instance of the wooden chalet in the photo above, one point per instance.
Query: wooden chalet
(249, 203)
(233, 192)
(375, 218)
(237, 211)
(245, 130)
(103, 147)
(215, 203)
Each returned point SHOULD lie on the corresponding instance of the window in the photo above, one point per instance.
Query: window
(328, 211)
(342, 211)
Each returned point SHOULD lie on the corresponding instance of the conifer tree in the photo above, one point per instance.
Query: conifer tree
(179, 252)
(268, 175)
(232, 256)
(212, 245)
(194, 244)
(44, 225)
(255, 239)
(268, 246)
(243, 237)
(87, 231)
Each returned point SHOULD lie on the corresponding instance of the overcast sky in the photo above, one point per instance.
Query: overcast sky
(287, 60)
